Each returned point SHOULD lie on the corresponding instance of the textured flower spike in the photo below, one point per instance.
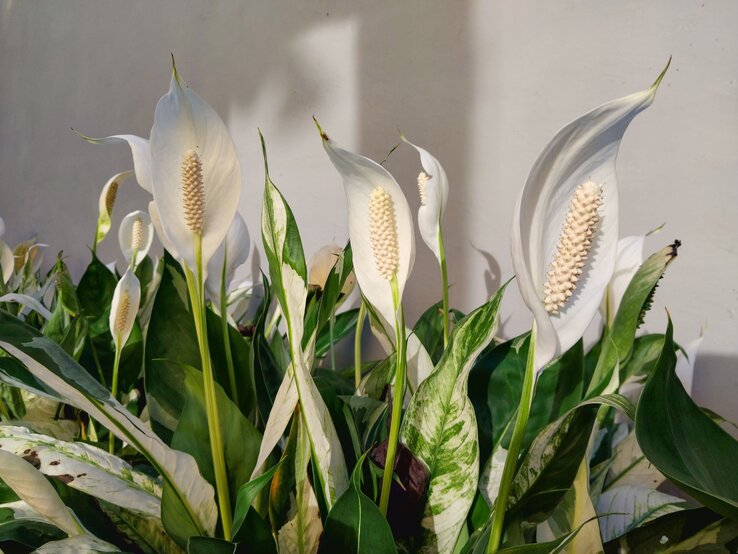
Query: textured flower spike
(565, 225)
(108, 195)
(135, 236)
(196, 174)
(124, 308)
(380, 227)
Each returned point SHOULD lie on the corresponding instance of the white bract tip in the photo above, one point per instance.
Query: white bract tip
(383, 233)
(124, 308)
(573, 246)
(135, 235)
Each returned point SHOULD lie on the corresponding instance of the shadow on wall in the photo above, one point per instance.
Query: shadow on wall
(714, 386)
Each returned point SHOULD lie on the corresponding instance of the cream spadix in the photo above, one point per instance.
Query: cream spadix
(135, 236)
(123, 311)
(380, 227)
(577, 166)
(196, 173)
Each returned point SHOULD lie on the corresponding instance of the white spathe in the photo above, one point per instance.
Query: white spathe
(584, 150)
(140, 151)
(135, 235)
(184, 122)
(321, 265)
(232, 252)
(361, 176)
(124, 308)
(433, 200)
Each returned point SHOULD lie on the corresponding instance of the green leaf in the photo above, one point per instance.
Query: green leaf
(355, 524)
(682, 441)
(95, 293)
(550, 465)
(191, 503)
(618, 343)
(28, 532)
(344, 326)
(429, 329)
(209, 545)
(440, 429)
(240, 438)
(246, 495)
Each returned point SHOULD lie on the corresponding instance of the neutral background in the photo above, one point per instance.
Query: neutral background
(483, 85)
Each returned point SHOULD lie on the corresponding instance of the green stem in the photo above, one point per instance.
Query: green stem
(331, 329)
(226, 334)
(94, 242)
(444, 276)
(114, 390)
(526, 397)
(195, 286)
(357, 344)
(398, 393)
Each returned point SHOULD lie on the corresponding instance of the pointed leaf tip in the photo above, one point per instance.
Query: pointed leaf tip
(264, 152)
(657, 82)
(320, 130)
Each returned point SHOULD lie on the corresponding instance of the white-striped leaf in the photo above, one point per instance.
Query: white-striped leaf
(627, 507)
(50, 371)
(288, 273)
(87, 469)
(440, 428)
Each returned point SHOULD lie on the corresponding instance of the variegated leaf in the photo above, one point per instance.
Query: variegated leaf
(51, 372)
(440, 428)
(86, 468)
(288, 273)
(301, 533)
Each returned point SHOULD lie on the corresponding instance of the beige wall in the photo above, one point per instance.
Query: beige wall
(481, 84)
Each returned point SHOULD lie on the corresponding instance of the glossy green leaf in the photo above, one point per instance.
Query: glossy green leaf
(240, 438)
(355, 524)
(440, 429)
(618, 343)
(246, 495)
(209, 545)
(683, 442)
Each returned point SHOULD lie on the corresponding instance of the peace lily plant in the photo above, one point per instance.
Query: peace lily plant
(241, 426)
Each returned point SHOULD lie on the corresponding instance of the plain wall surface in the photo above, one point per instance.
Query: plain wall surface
(482, 85)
